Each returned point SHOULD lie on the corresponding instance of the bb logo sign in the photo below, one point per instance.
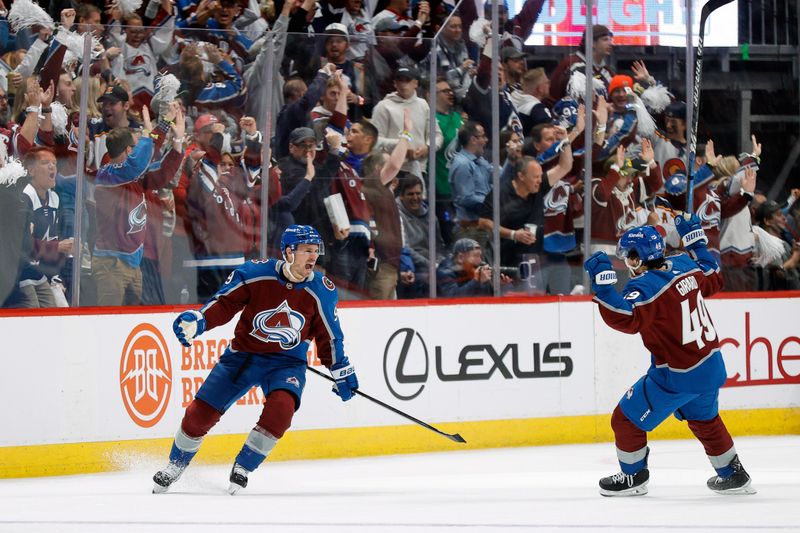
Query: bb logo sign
(145, 375)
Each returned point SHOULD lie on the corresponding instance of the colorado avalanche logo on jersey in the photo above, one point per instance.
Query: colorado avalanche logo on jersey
(139, 64)
(137, 218)
(282, 325)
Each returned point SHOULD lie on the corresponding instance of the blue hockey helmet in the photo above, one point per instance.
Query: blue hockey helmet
(675, 180)
(565, 112)
(297, 234)
(646, 241)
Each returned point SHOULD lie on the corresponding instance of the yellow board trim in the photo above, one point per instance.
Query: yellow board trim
(90, 457)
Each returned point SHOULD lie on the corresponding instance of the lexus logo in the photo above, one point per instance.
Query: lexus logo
(406, 362)
(407, 355)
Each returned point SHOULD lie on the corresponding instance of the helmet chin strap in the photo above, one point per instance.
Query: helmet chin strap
(287, 267)
(633, 265)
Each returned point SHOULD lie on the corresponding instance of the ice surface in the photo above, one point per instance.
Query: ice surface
(512, 489)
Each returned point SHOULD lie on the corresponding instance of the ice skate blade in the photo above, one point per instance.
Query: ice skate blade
(158, 489)
(641, 490)
(743, 490)
(233, 488)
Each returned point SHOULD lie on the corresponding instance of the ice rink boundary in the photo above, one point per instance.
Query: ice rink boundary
(90, 457)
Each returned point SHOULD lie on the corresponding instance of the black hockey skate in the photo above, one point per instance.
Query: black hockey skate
(736, 483)
(623, 484)
(163, 479)
(238, 478)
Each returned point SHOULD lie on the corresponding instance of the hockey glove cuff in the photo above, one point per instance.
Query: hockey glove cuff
(346, 381)
(189, 325)
(600, 269)
(691, 231)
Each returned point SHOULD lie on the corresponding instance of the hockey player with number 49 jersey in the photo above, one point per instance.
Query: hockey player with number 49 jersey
(665, 303)
(285, 305)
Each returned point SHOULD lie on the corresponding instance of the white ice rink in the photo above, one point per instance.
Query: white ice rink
(512, 489)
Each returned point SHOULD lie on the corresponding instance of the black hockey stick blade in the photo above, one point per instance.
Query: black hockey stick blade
(709, 8)
(455, 437)
(705, 12)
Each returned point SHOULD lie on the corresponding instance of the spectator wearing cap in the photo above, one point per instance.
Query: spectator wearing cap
(514, 66)
(396, 47)
(353, 14)
(622, 123)
(337, 42)
(617, 195)
(464, 273)
(309, 207)
(299, 103)
(603, 45)
(136, 52)
(208, 141)
(783, 271)
(528, 100)
(671, 142)
(114, 106)
(121, 185)
(387, 117)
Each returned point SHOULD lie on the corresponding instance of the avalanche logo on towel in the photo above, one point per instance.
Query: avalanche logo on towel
(710, 211)
(282, 325)
(137, 218)
(293, 381)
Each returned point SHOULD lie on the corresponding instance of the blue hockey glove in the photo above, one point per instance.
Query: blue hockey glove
(189, 325)
(690, 230)
(346, 381)
(600, 270)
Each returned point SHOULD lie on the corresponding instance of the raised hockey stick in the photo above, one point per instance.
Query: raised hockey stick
(455, 437)
(708, 8)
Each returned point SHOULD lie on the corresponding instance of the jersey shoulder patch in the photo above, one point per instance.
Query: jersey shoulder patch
(326, 281)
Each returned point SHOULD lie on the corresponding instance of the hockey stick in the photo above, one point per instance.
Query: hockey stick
(455, 437)
(708, 8)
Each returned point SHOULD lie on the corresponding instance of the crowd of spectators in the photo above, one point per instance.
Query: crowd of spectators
(179, 98)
